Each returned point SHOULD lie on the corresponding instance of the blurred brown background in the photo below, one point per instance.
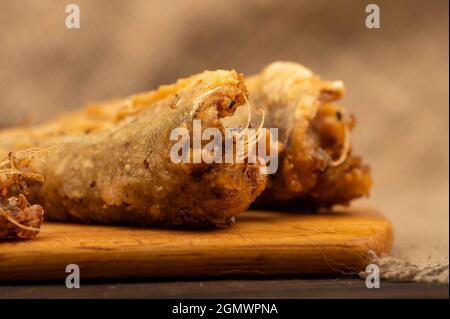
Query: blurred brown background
(396, 76)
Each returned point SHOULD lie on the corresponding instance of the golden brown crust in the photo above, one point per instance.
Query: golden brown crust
(113, 166)
(315, 163)
(18, 218)
(341, 184)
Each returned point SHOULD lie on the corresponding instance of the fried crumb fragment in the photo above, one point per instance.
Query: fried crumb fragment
(18, 218)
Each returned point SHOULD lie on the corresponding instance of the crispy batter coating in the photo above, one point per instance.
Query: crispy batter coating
(316, 165)
(110, 163)
(18, 218)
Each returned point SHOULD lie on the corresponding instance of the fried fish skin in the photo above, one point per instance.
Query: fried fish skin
(111, 162)
(313, 130)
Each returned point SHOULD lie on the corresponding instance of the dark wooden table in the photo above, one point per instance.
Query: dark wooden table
(270, 288)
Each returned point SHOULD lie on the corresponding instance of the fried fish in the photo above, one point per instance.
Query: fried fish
(110, 163)
(317, 166)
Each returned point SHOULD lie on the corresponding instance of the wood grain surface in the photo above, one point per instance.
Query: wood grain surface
(260, 243)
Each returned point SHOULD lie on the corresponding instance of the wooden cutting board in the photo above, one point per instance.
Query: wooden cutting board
(260, 243)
